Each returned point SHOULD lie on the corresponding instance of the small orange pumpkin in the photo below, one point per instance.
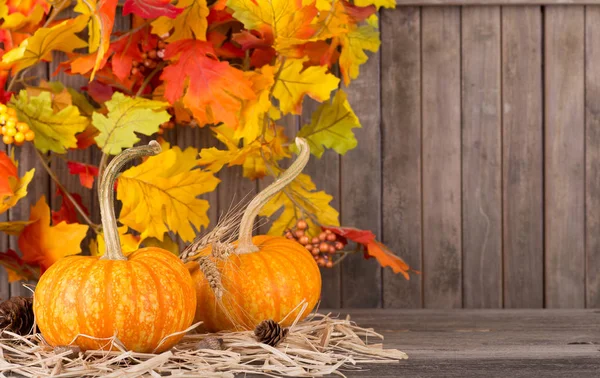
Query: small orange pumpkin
(266, 277)
(141, 299)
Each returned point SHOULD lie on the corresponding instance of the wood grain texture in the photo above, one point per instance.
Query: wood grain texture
(360, 198)
(401, 151)
(522, 155)
(564, 157)
(485, 343)
(325, 172)
(494, 2)
(592, 155)
(481, 158)
(441, 157)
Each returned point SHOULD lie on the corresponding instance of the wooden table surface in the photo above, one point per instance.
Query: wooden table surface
(490, 343)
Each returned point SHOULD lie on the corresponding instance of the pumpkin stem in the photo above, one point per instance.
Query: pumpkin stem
(245, 244)
(107, 197)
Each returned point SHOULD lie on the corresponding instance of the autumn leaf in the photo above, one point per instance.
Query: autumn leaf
(353, 53)
(300, 192)
(215, 90)
(190, 23)
(13, 228)
(289, 22)
(67, 212)
(129, 243)
(20, 14)
(161, 194)
(17, 269)
(373, 248)
(101, 20)
(251, 155)
(60, 37)
(151, 8)
(126, 116)
(13, 188)
(253, 110)
(377, 3)
(167, 243)
(42, 244)
(86, 173)
(331, 126)
(294, 82)
(54, 131)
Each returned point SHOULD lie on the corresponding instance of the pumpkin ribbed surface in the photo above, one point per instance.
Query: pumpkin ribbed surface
(267, 284)
(140, 300)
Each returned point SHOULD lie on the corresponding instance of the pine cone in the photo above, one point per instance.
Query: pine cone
(16, 315)
(270, 332)
(210, 342)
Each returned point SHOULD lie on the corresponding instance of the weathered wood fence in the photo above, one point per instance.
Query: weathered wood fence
(478, 161)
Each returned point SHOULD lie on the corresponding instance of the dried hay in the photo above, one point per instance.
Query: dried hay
(317, 346)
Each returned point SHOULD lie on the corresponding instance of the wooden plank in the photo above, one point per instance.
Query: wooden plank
(39, 186)
(522, 155)
(401, 150)
(360, 198)
(481, 158)
(592, 155)
(441, 157)
(325, 173)
(564, 157)
(494, 2)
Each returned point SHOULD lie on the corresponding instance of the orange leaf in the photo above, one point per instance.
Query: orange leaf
(42, 244)
(17, 269)
(7, 170)
(215, 90)
(386, 258)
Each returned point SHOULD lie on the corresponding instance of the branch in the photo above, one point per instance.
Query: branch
(51, 173)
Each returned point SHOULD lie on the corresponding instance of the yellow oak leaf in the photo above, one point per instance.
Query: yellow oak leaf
(253, 110)
(294, 82)
(377, 3)
(126, 116)
(331, 126)
(314, 205)
(161, 194)
(251, 156)
(289, 22)
(189, 24)
(60, 37)
(129, 243)
(43, 244)
(13, 228)
(54, 130)
(101, 15)
(353, 53)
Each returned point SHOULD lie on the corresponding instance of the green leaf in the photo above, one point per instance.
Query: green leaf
(54, 131)
(331, 126)
(127, 116)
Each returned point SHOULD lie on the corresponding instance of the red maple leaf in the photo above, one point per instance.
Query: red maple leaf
(215, 89)
(359, 14)
(86, 173)
(67, 212)
(373, 248)
(151, 8)
(7, 170)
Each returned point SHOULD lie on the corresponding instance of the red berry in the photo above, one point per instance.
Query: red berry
(135, 63)
(135, 71)
(303, 240)
(329, 264)
(331, 237)
(161, 45)
(339, 245)
(315, 240)
(289, 235)
(152, 54)
(324, 247)
(299, 233)
(331, 249)
(309, 247)
(144, 55)
(322, 236)
(301, 224)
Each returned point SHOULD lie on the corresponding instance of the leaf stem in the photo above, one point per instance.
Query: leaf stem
(53, 176)
(245, 244)
(107, 197)
(149, 78)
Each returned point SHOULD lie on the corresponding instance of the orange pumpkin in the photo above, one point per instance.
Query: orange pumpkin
(266, 277)
(142, 299)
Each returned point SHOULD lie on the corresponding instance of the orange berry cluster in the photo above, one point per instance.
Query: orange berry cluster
(11, 129)
(322, 247)
(150, 59)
